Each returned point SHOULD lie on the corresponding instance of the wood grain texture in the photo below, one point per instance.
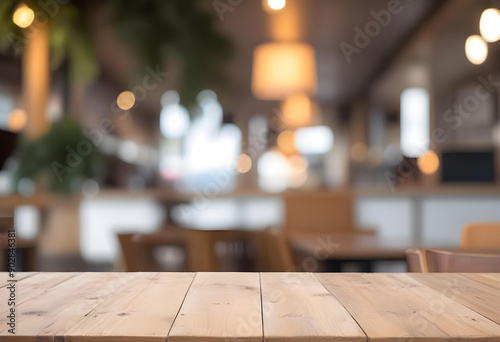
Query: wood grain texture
(4, 277)
(381, 315)
(56, 310)
(32, 286)
(144, 310)
(491, 279)
(220, 307)
(464, 289)
(392, 307)
(297, 307)
(238, 307)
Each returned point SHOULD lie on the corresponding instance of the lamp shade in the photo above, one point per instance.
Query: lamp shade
(283, 69)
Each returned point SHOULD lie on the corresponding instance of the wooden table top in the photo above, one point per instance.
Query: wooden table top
(251, 307)
(357, 246)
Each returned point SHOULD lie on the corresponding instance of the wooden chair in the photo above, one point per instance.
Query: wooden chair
(415, 260)
(202, 245)
(319, 213)
(459, 261)
(481, 235)
(275, 254)
(135, 258)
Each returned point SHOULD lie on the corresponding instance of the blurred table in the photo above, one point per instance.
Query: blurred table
(86, 307)
(335, 249)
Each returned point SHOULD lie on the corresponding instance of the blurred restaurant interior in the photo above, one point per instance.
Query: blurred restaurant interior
(247, 135)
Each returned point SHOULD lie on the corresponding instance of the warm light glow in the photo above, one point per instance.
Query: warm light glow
(23, 16)
(489, 25)
(314, 140)
(299, 171)
(297, 110)
(428, 163)
(414, 122)
(359, 152)
(125, 100)
(17, 120)
(276, 4)
(298, 163)
(286, 26)
(243, 163)
(283, 69)
(286, 142)
(476, 49)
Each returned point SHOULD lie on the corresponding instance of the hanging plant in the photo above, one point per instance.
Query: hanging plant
(159, 30)
(175, 30)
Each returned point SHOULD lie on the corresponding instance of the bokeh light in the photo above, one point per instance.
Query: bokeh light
(428, 163)
(275, 172)
(286, 142)
(297, 110)
(23, 16)
(476, 49)
(125, 100)
(314, 140)
(489, 25)
(17, 120)
(243, 163)
(276, 4)
(299, 171)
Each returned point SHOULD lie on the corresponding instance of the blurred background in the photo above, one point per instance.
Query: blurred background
(246, 135)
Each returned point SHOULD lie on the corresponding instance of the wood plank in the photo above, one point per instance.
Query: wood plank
(56, 310)
(297, 307)
(220, 307)
(482, 298)
(455, 319)
(4, 276)
(144, 310)
(32, 286)
(430, 311)
(378, 311)
(491, 279)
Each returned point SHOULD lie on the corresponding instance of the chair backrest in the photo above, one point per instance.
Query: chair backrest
(481, 235)
(135, 256)
(435, 260)
(319, 212)
(415, 260)
(274, 252)
(201, 247)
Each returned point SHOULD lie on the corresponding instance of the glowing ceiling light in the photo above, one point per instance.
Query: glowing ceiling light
(428, 163)
(23, 16)
(489, 25)
(476, 49)
(125, 100)
(276, 4)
